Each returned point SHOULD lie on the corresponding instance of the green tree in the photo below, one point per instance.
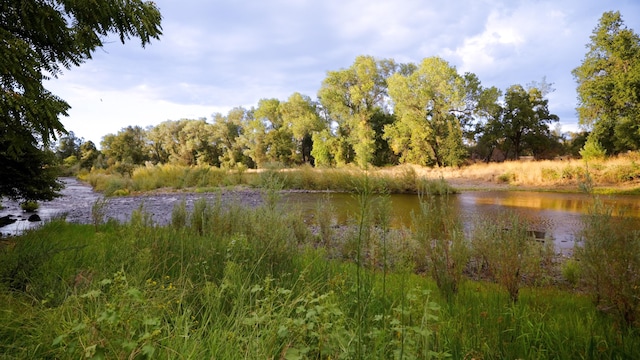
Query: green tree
(427, 131)
(526, 118)
(88, 154)
(227, 133)
(164, 141)
(128, 146)
(68, 145)
(269, 137)
(352, 97)
(609, 85)
(186, 142)
(322, 148)
(38, 39)
(301, 115)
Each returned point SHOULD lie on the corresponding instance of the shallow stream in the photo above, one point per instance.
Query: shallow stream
(556, 216)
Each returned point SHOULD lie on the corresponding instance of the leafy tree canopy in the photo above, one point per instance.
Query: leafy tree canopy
(609, 85)
(38, 39)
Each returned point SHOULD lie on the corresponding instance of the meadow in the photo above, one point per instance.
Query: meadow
(230, 282)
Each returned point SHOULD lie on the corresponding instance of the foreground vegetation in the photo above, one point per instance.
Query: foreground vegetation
(229, 282)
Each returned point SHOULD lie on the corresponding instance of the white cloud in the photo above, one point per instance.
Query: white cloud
(215, 55)
(95, 113)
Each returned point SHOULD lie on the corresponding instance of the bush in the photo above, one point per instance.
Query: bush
(506, 252)
(571, 272)
(29, 205)
(438, 230)
(592, 150)
(609, 254)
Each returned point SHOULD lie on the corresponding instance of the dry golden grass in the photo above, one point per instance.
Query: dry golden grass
(621, 173)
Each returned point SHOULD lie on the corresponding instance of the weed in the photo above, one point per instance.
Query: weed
(99, 211)
(571, 272)
(179, 215)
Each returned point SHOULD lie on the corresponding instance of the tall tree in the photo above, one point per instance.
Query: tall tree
(427, 131)
(227, 132)
(68, 145)
(185, 142)
(128, 146)
(353, 96)
(276, 143)
(522, 123)
(88, 154)
(38, 39)
(301, 115)
(609, 85)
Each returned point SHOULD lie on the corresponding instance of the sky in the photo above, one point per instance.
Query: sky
(217, 55)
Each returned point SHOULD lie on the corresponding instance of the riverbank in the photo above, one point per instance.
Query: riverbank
(619, 175)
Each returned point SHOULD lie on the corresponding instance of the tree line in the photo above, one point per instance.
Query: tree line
(374, 113)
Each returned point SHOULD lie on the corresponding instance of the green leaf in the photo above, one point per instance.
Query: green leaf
(58, 340)
(79, 327)
(93, 294)
(135, 294)
(148, 350)
(129, 345)
(283, 331)
(151, 321)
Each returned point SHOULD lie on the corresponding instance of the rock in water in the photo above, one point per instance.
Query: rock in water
(34, 218)
(6, 220)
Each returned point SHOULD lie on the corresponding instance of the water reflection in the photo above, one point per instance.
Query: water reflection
(558, 215)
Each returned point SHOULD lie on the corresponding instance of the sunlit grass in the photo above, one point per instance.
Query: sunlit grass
(228, 282)
(202, 178)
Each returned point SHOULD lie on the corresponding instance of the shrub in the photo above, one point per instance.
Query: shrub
(549, 174)
(571, 271)
(592, 150)
(609, 254)
(440, 233)
(29, 205)
(507, 177)
(505, 249)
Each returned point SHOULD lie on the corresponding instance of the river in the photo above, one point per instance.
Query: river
(557, 215)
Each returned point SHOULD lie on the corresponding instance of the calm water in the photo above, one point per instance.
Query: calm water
(558, 215)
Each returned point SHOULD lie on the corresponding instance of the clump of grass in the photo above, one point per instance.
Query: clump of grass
(571, 272)
(507, 177)
(179, 215)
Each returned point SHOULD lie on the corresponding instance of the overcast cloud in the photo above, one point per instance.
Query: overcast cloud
(216, 55)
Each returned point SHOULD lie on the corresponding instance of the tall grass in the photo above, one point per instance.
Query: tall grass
(204, 178)
(229, 282)
(622, 171)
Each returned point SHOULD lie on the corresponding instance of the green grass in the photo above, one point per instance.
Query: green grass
(228, 282)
